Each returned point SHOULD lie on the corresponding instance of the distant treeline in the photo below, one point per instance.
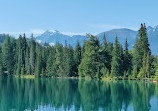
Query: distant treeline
(92, 60)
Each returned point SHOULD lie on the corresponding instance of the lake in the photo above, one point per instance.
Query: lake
(56, 94)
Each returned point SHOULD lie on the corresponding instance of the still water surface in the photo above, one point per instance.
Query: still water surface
(47, 94)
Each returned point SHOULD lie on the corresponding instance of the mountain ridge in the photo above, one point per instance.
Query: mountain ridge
(55, 36)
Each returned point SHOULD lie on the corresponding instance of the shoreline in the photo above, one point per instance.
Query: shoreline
(85, 78)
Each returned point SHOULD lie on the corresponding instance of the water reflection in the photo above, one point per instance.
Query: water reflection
(67, 94)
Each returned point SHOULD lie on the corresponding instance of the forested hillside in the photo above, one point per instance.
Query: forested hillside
(93, 60)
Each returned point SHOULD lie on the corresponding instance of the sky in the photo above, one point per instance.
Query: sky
(75, 16)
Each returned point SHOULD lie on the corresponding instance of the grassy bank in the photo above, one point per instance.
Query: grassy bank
(26, 76)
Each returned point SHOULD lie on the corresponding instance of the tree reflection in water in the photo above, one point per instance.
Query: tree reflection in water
(68, 94)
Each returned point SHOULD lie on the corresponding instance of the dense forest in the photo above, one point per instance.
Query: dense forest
(95, 59)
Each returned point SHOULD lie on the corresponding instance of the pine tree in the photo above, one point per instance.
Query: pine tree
(141, 48)
(145, 69)
(1, 62)
(66, 59)
(71, 61)
(127, 62)
(13, 55)
(156, 72)
(45, 55)
(148, 65)
(89, 64)
(59, 60)
(24, 46)
(83, 48)
(38, 68)
(116, 68)
(27, 61)
(7, 56)
(50, 66)
(77, 58)
(142, 72)
(105, 57)
(32, 55)
(19, 56)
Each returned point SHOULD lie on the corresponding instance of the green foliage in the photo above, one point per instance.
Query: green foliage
(141, 48)
(2, 38)
(7, 56)
(50, 64)
(77, 58)
(90, 64)
(127, 61)
(1, 62)
(38, 68)
(93, 60)
(156, 72)
(59, 60)
(117, 63)
(32, 56)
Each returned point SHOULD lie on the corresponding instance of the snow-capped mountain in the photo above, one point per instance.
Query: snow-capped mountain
(53, 36)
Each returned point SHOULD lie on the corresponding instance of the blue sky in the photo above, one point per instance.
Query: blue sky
(75, 16)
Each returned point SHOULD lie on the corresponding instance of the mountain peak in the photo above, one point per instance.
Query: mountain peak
(155, 28)
(152, 29)
(52, 31)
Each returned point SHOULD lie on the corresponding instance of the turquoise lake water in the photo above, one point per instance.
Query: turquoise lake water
(55, 94)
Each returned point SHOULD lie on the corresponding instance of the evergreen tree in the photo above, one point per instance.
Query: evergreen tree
(50, 65)
(89, 64)
(27, 61)
(21, 46)
(32, 55)
(141, 48)
(116, 68)
(19, 56)
(7, 56)
(105, 57)
(156, 73)
(45, 55)
(1, 62)
(59, 60)
(38, 68)
(83, 48)
(77, 58)
(24, 46)
(127, 62)
(148, 65)
(13, 54)
(71, 61)
(142, 72)
(145, 69)
(66, 63)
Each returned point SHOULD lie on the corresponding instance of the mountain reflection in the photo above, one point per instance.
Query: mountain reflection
(79, 95)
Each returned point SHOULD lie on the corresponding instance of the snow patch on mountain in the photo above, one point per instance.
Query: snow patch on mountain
(53, 36)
